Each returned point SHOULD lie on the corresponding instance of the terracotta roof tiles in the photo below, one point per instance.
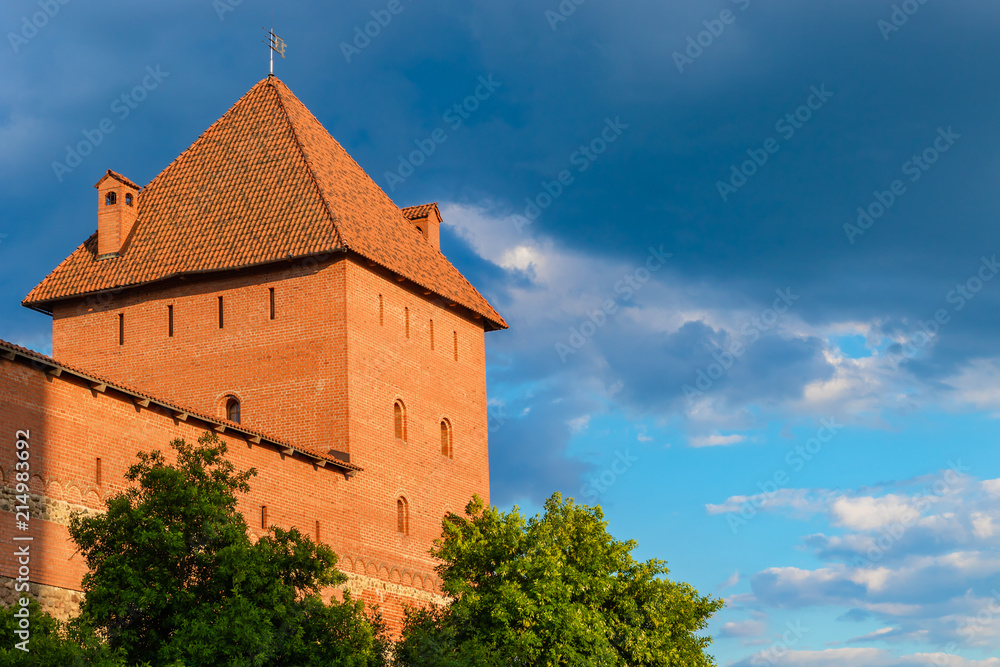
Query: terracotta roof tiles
(265, 183)
(422, 211)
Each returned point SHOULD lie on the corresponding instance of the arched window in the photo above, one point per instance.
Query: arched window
(233, 410)
(446, 449)
(110, 199)
(402, 516)
(399, 419)
(128, 198)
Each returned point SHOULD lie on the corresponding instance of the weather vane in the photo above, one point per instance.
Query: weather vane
(275, 43)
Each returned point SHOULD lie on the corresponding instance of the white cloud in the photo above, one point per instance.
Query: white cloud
(861, 657)
(977, 384)
(867, 513)
(717, 440)
(730, 582)
(992, 487)
(749, 628)
(802, 501)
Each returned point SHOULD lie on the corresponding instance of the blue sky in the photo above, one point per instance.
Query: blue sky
(747, 249)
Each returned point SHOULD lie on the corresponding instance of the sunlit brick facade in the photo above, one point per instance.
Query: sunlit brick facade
(261, 267)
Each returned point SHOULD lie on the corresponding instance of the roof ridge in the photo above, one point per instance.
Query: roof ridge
(118, 177)
(338, 236)
(202, 136)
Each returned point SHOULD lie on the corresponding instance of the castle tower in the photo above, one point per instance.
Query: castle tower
(264, 278)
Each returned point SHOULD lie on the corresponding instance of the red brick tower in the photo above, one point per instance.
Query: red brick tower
(264, 278)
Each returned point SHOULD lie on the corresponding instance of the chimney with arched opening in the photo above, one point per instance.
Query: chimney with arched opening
(117, 204)
(427, 219)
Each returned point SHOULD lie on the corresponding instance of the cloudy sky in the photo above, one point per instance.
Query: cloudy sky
(747, 248)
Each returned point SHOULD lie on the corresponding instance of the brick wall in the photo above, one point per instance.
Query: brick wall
(287, 372)
(324, 373)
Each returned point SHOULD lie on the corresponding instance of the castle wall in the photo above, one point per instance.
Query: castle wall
(287, 372)
(72, 425)
(386, 365)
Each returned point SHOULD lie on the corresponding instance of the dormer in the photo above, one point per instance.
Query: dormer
(117, 206)
(427, 219)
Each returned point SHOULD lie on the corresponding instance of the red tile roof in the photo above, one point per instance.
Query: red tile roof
(118, 177)
(52, 367)
(265, 183)
(422, 211)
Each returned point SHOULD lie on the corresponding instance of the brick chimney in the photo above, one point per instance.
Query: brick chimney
(427, 219)
(117, 204)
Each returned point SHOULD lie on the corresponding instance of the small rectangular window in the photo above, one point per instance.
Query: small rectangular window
(381, 311)
(406, 312)
(317, 532)
(170, 321)
(272, 302)
(263, 517)
(432, 334)
(98, 475)
(221, 321)
(456, 344)
(121, 328)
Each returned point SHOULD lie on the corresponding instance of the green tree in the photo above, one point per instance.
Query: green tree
(175, 577)
(555, 589)
(51, 642)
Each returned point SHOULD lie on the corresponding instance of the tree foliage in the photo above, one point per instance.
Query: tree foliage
(175, 578)
(52, 642)
(555, 589)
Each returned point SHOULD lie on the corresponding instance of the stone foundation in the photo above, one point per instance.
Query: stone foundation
(62, 603)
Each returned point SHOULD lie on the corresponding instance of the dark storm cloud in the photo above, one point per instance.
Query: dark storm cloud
(560, 82)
